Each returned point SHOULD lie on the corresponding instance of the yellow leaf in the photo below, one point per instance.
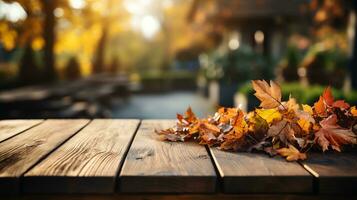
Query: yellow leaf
(304, 125)
(354, 111)
(291, 153)
(269, 115)
(307, 109)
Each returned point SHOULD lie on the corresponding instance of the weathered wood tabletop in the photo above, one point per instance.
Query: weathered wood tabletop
(111, 157)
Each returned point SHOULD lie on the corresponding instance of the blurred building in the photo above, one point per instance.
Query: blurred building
(262, 24)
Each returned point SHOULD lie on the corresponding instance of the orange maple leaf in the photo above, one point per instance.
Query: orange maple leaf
(190, 116)
(320, 107)
(327, 96)
(270, 96)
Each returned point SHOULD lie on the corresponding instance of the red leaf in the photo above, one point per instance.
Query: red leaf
(327, 96)
(341, 104)
(333, 135)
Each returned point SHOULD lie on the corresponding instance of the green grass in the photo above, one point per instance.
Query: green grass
(304, 95)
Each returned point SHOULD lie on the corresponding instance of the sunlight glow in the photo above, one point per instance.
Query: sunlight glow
(12, 11)
(233, 44)
(149, 26)
(167, 3)
(137, 6)
(58, 12)
(143, 16)
(77, 4)
(259, 37)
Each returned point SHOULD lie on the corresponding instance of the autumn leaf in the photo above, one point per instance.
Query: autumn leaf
(257, 124)
(208, 138)
(190, 116)
(283, 131)
(307, 108)
(257, 132)
(270, 96)
(291, 105)
(170, 135)
(228, 115)
(341, 104)
(304, 125)
(208, 133)
(188, 119)
(278, 127)
(269, 115)
(320, 107)
(333, 135)
(291, 153)
(327, 96)
(354, 111)
(305, 116)
(325, 101)
(232, 140)
(205, 126)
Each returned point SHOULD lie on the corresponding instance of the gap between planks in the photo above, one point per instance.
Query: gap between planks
(11, 128)
(242, 172)
(88, 162)
(18, 154)
(154, 166)
(334, 172)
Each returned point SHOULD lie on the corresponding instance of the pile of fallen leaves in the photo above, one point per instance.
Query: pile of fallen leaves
(277, 127)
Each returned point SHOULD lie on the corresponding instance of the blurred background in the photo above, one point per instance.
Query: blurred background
(154, 58)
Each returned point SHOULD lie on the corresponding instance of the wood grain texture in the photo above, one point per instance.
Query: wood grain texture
(87, 163)
(166, 167)
(21, 152)
(258, 173)
(10, 128)
(336, 172)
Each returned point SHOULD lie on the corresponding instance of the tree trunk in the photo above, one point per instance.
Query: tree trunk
(29, 73)
(100, 53)
(353, 61)
(50, 37)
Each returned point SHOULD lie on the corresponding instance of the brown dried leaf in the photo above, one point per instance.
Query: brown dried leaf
(291, 153)
(283, 131)
(270, 96)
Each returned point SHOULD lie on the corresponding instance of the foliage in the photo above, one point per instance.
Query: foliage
(277, 127)
(236, 66)
(305, 95)
(324, 62)
(288, 66)
(109, 24)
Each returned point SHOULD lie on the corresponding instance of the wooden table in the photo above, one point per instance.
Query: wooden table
(123, 159)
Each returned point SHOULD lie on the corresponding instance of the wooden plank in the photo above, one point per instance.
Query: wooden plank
(336, 173)
(21, 152)
(87, 163)
(166, 167)
(10, 128)
(258, 173)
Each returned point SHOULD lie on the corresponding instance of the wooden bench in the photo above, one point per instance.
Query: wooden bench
(65, 99)
(123, 159)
